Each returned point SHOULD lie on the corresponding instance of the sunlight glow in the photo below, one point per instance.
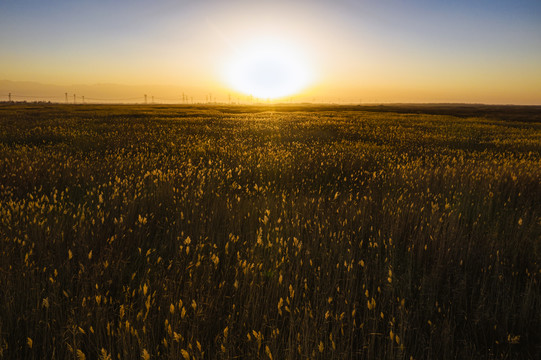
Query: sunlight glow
(268, 69)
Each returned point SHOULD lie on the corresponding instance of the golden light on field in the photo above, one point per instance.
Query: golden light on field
(268, 68)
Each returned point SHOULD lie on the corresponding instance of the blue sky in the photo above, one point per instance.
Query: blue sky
(478, 51)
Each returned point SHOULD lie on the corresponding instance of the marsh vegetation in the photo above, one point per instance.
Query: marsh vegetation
(268, 232)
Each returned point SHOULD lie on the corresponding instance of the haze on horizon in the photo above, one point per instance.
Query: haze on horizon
(372, 51)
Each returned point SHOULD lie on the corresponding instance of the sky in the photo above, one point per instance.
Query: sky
(469, 51)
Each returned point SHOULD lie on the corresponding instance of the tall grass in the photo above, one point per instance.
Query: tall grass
(173, 232)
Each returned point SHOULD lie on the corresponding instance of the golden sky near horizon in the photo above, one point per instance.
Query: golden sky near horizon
(349, 51)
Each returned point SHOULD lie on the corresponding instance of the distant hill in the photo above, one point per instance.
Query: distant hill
(34, 91)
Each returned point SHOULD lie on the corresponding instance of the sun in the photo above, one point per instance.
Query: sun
(268, 69)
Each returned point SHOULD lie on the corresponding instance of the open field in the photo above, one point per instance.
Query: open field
(285, 232)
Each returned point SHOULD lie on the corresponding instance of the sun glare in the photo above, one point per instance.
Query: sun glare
(268, 69)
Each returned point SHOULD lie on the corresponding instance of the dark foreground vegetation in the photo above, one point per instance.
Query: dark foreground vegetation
(133, 232)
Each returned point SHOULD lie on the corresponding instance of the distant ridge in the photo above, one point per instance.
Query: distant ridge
(35, 91)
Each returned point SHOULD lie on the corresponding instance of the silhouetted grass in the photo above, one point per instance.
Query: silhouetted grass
(282, 232)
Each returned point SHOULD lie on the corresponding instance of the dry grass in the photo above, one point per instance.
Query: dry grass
(175, 232)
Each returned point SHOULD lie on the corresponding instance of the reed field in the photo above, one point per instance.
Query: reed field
(269, 232)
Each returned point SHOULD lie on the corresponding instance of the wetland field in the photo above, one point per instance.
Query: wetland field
(270, 232)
